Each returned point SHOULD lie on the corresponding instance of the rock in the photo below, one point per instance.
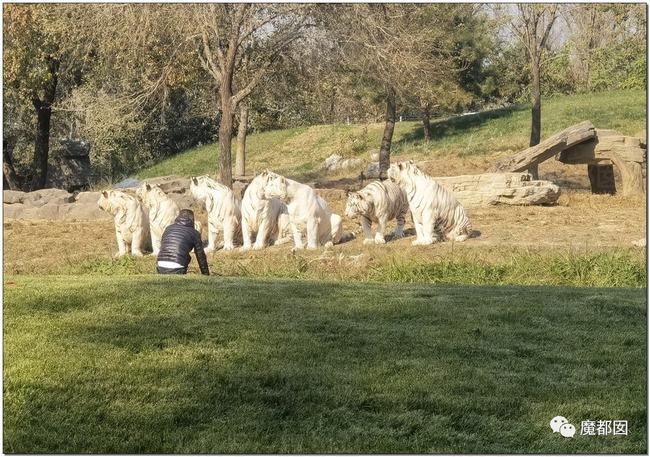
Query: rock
(88, 198)
(331, 163)
(500, 188)
(337, 162)
(546, 149)
(13, 196)
(48, 212)
(13, 211)
(70, 164)
(86, 211)
(47, 196)
(183, 200)
(171, 184)
(373, 170)
(374, 157)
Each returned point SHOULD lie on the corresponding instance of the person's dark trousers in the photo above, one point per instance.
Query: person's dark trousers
(171, 271)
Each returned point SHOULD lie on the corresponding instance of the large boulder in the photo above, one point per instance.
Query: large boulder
(87, 198)
(13, 196)
(183, 200)
(86, 212)
(13, 211)
(70, 164)
(47, 196)
(46, 212)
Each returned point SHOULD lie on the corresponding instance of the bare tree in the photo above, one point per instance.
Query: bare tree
(391, 46)
(223, 35)
(532, 25)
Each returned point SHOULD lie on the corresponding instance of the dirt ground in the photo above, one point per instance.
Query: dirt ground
(580, 218)
(579, 221)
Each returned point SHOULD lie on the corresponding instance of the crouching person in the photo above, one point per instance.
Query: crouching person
(177, 242)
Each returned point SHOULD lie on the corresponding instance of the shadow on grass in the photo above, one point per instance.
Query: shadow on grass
(229, 366)
(456, 125)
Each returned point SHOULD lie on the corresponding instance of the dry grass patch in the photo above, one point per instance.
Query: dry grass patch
(517, 245)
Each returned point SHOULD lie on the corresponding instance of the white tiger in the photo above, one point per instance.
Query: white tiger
(436, 213)
(267, 219)
(380, 202)
(131, 224)
(222, 207)
(307, 211)
(162, 211)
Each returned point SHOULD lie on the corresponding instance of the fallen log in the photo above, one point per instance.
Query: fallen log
(500, 189)
(548, 148)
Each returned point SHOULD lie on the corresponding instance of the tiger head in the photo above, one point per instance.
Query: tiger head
(113, 201)
(274, 186)
(403, 171)
(358, 204)
(256, 187)
(199, 187)
(104, 201)
(150, 194)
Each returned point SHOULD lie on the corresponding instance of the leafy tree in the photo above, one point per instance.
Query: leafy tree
(45, 56)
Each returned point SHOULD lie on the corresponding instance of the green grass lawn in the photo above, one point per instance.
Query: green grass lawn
(301, 150)
(213, 365)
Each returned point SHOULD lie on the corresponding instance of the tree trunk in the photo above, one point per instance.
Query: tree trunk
(384, 151)
(42, 144)
(426, 125)
(240, 161)
(536, 113)
(225, 135)
(43, 117)
(10, 180)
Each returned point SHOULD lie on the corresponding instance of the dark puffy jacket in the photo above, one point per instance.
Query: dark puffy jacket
(177, 242)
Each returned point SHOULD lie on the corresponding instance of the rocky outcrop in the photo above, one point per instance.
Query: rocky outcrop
(57, 204)
(70, 168)
(52, 205)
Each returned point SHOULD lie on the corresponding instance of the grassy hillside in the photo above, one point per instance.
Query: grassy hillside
(211, 365)
(301, 150)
